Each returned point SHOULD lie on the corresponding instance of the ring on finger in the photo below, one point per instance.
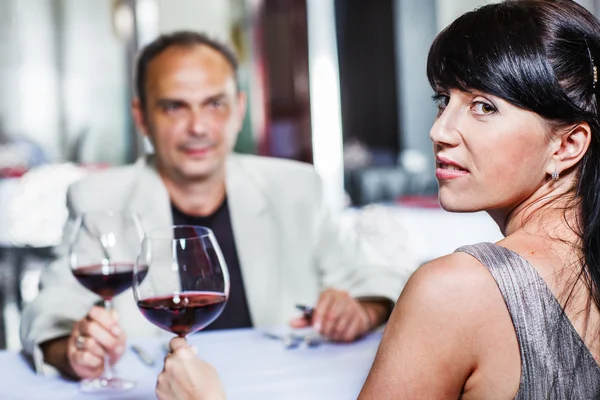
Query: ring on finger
(80, 342)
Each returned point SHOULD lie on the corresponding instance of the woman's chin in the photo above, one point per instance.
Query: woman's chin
(456, 205)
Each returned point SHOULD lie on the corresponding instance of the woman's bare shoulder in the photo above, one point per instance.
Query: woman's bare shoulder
(455, 285)
(431, 330)
(458, 273)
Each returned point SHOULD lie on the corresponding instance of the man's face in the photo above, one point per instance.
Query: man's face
(193, 112)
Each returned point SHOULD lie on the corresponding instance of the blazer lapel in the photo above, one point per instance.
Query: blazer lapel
(150, 201)
(257, 241)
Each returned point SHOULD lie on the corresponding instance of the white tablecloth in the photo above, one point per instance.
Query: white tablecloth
(251, 367)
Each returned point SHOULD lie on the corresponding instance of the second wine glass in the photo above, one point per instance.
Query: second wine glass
(180, 280)
(103, 249)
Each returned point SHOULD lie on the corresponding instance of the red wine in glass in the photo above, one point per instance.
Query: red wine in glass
(180, 280)
(185, 312)
(106, 280)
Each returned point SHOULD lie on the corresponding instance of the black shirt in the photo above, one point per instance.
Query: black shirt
(236, 313)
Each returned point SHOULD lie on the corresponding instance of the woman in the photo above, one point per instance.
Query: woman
(517, 135)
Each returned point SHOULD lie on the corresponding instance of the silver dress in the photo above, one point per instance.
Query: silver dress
(555, 362)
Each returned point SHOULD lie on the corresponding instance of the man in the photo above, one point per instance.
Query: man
(280, 243)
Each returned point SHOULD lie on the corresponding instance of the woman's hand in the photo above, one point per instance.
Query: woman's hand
(186, 377)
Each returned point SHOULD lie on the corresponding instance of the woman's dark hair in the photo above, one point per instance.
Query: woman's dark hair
(177, 39)
(541, 56)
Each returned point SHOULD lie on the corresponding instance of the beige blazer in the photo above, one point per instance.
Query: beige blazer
(289, 245)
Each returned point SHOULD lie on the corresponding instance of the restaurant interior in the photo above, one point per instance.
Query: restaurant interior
(337, 84)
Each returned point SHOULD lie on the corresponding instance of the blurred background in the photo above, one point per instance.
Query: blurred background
(337, 83)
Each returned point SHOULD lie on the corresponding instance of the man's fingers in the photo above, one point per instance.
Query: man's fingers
(353, 331)
(337, 310)
(359, 325)
(116, 353)
(322, 309)
(89, 361)
(89, 373)
(89, 344)
(337, 316)
(299, 323)
(341, 325)
(97, 332)
(84, 353)
(106, 319)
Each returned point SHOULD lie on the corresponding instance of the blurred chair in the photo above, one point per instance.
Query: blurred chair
(32, 214)
(376, 184)
(381, 229)
(387, 184)
(18, 155)
(37, 211)
(35, 214)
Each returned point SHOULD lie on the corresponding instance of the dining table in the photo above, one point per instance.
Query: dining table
(253, 364)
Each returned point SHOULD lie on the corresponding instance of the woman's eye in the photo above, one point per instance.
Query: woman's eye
(482, 108)
(441, 100)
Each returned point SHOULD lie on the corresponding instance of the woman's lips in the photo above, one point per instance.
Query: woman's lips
(449, 173)
(447, 169)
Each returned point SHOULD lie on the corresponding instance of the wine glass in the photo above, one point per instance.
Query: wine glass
(103, 250)
(180, 280)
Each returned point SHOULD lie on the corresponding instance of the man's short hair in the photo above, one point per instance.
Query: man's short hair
(178, 39)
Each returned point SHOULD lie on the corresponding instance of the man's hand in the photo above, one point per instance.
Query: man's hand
(96, 335)
(342, 318)
(186, 377)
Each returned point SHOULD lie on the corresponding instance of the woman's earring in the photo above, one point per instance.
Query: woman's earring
(555, 175)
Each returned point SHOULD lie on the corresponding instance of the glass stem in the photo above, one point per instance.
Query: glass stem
(108, 372)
